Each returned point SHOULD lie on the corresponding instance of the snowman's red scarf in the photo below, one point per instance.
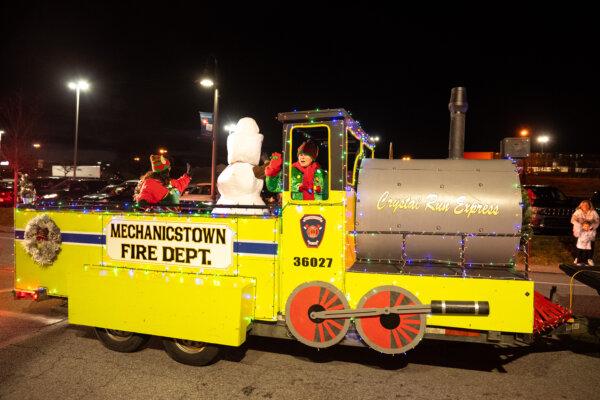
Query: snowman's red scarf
(308, 178)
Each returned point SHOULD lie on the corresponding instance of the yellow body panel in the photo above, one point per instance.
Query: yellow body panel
(263, 268)
(30, 276)
(349, 228)
(213, 309)
(294, 250)
(247, 233)
(511, 301)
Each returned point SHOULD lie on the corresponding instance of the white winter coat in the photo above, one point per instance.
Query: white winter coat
(579, 217)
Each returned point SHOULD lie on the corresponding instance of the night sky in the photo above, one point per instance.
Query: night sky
(393, 69)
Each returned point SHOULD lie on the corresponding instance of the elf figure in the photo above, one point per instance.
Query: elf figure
(157, 187)
(27, 191)
(309, 180)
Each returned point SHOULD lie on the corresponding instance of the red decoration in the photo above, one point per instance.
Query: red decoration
(548, 315)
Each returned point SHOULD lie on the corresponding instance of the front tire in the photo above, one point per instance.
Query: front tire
(190, 352)
(121, 341)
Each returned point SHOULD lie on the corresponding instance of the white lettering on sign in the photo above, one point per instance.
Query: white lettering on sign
(188, 244)
(434, 202)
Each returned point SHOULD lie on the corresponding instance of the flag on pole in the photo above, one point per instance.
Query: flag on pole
(206, 123)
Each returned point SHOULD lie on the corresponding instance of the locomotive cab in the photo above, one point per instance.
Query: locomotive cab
(317, 241)
(342, 145)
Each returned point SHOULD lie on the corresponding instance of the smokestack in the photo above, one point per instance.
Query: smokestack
(391, 152)
(458, 107)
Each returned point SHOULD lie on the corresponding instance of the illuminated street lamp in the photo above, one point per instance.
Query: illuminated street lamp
(37, 145)
(211, 82)
(524, 132)
(78, 86)
(542, 140)
(136, 159)
(207, 82)
(163, 151)
(230, 127)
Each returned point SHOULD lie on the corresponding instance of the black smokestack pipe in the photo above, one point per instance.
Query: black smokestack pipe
(458, 107)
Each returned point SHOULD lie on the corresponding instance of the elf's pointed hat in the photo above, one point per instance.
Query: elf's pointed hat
(309, 148)
(159, 163)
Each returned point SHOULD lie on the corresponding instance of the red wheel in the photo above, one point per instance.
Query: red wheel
(316, 296)
(390, 333)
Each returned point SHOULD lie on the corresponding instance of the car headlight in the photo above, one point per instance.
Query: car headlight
(50, 196)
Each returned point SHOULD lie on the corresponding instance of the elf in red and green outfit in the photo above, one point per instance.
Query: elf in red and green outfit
(157, 188)
(309, 180)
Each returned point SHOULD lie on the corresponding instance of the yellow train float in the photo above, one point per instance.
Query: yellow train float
(399, 250)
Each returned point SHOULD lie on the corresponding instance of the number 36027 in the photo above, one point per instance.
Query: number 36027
(313, 262)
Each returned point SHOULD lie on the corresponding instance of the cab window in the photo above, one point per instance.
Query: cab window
(353, 157)
(319, 136)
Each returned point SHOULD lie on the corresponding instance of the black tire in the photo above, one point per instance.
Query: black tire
(121, 341)
(191, 353)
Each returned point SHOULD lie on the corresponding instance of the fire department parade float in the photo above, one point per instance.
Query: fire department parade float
(389, 253)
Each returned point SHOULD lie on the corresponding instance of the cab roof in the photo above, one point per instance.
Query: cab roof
(330, 114)
(313, 115)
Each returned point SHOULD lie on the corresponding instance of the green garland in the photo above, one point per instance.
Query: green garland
(526, 228)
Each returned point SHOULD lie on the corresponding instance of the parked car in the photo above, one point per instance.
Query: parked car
(122, 192)
(196, 192)
(42, 183)
(71, 189)
(551, 209)
(6, 193)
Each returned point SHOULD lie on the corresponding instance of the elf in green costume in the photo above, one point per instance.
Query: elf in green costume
(309, 180)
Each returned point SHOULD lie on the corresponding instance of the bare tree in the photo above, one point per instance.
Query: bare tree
(66, 169)
(18, 119)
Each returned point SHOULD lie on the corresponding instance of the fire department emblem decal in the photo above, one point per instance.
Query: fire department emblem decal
(313, 229)
(42, 240)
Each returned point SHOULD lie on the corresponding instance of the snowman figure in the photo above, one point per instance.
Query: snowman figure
(237, 183)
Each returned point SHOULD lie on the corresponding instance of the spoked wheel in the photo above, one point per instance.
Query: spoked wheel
(190, 352)
(314, 297)
(121, 341)
(390, 333)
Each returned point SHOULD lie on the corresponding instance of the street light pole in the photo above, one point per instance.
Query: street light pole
(208, 82)
(76, 131)
(1, 133)
(213, 171)
(78, 86)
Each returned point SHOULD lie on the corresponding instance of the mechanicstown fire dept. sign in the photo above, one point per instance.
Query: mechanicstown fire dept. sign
(188, 244)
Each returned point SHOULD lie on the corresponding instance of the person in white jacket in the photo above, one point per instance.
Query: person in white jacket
(586, 213)
(584, 244)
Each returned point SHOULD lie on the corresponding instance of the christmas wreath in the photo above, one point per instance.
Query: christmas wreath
(42, 240)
